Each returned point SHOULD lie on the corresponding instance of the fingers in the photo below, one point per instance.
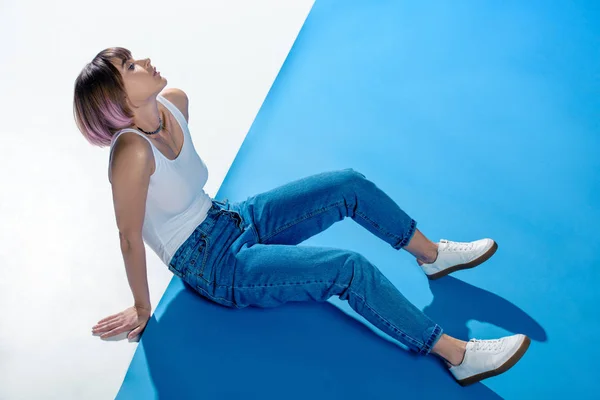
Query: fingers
(119, 323)
(104, 322)
(100, 327)
(108, 318)
(123, 328)
(114, 332)
(113, 329)
(107, 326)
(135, 332)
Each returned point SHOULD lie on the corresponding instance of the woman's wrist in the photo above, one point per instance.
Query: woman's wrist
(146, 308)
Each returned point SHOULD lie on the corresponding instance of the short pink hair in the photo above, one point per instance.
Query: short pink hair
(100, 101)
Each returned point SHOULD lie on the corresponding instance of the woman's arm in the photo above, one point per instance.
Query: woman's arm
(130, 170)
(134, 255)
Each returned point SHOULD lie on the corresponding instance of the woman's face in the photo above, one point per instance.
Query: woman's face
(139, 79)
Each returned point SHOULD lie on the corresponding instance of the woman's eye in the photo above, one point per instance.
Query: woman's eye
(131, 65)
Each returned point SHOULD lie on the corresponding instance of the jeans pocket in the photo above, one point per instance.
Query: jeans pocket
(192, 265)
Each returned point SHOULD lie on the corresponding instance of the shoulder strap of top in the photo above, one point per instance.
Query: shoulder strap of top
(116, 135)
(170, 106)
(174, 110)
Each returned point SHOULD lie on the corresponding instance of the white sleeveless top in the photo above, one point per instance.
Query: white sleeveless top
(176, 202)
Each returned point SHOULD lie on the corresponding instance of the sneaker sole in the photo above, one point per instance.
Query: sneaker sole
(503, 368)
(468, 265)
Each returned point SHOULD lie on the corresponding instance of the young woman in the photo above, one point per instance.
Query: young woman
(247, 254)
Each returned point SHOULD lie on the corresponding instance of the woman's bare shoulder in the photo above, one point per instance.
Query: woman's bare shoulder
(130, 147)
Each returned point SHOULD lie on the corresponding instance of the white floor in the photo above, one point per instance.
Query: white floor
(61, 268)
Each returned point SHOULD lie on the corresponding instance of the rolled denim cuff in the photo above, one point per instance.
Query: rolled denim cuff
(432, 339)
(409, 235)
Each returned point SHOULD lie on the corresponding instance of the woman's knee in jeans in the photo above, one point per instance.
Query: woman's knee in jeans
(352, 175)
(348, 180)
(356, 269)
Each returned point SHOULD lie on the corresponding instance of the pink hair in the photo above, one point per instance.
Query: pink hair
(99, 103)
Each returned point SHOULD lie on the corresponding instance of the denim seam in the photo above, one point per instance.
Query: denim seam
(205, 256)
(409, 338)
(411, 231)
(279, 285)
(376, 226)
(437, 330)
(214, 283)
(363, 216)
(303, 218)
(213, 297)
(419, 344)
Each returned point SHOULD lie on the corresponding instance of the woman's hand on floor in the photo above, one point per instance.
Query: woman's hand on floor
(132, 319)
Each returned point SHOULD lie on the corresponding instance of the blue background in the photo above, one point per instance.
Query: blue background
(481, 119)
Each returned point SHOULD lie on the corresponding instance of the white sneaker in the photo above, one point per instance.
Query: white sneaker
(453, 256)
(487, 358)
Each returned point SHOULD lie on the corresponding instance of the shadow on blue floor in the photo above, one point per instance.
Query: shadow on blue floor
(455, 303)
(298, 351)
(481, 120)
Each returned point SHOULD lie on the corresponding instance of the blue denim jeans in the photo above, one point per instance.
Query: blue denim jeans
(247, 254)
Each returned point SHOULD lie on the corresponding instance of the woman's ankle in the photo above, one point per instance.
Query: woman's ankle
(458, 355)
(422, 248)
(430, 256)
(451, 350)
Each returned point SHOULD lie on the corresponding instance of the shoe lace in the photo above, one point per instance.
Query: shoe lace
(457, 246)
(488, 345)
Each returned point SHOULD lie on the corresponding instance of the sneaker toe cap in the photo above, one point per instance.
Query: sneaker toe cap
(485, 244)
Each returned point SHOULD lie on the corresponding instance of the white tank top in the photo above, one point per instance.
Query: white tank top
(176, 202)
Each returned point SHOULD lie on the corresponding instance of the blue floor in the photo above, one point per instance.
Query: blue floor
(481, 119)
